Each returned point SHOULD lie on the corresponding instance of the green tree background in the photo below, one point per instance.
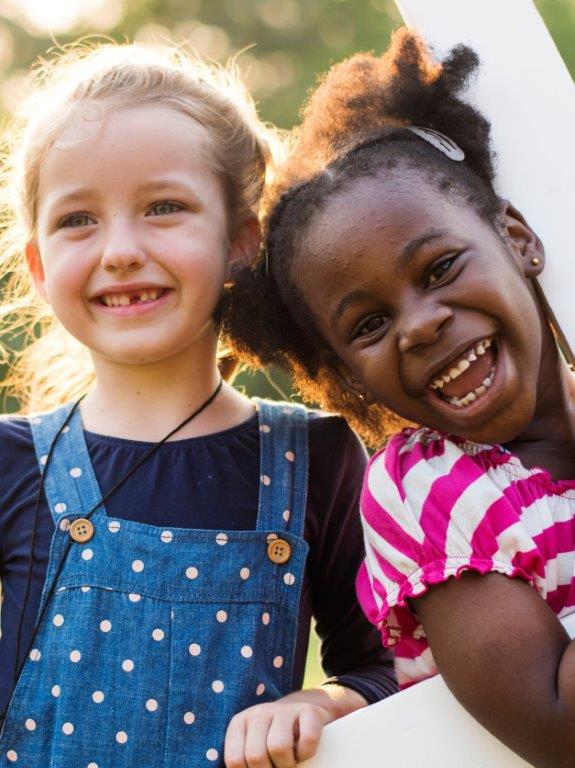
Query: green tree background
(285, 44)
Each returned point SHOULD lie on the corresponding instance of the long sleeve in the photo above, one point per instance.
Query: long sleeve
(351, 649)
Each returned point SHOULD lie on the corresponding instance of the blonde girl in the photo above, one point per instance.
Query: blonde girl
(155, 525)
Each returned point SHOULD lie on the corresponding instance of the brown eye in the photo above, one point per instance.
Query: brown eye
(440, 269)
(371, 325)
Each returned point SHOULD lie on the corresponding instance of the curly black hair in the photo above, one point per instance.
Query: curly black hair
(354, 126)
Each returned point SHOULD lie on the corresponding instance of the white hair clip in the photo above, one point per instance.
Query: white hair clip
(440, 141)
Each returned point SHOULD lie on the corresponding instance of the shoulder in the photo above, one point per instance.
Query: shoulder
(416, 460)
(334, 445)
(17, 454)
(15, 433)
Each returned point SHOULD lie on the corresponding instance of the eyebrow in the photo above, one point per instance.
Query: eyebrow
(405, 257)
(353, 297)
(81, 193)
(411, 249)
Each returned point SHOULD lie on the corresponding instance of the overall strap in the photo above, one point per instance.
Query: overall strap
(283, 466)
(70, 484)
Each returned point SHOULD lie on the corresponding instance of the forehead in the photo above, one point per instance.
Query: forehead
(364, 229)
(121, 145)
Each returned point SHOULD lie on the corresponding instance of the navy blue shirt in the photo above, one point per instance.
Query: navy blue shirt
(209, 482)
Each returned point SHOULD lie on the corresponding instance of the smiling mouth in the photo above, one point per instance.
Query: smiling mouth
(469, 377)
(131, 297)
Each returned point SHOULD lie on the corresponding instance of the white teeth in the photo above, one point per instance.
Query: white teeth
(124, 299)
(462, 365)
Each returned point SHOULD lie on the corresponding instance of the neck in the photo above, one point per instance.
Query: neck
(549, 439)
(137, 402)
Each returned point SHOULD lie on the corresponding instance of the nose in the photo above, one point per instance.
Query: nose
(422, 325)
(122, 249)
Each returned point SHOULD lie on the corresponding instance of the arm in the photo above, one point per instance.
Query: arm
(288, 731)
(507, 659)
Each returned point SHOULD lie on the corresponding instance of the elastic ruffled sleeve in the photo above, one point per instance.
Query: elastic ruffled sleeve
(432, 509)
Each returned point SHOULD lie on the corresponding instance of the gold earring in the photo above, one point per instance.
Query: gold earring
(535, 261)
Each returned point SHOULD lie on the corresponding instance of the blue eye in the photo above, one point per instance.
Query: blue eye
(76, 220)
(163, 208)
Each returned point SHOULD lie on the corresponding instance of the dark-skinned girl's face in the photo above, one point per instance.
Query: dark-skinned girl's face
(428, 307)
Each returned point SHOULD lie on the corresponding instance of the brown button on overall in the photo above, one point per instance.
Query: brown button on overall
(81, 530)
(279, 551)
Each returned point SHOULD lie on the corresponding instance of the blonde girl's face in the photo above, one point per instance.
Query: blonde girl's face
(132, 244)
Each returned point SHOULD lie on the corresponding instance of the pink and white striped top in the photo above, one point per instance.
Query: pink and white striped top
(433, 507)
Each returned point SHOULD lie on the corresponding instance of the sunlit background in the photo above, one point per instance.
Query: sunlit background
(285, 44)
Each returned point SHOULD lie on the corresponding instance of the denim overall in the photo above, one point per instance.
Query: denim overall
(149, 640)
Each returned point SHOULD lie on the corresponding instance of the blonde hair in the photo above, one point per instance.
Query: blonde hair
(52, 366)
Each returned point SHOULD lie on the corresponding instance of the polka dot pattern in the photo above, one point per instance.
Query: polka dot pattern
(204, 600)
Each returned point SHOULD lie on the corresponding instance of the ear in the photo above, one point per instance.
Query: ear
(524, 244)
(36, 268)
(244, 246)
(349, 381)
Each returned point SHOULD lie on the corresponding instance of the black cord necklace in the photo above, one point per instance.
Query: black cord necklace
(18, 667)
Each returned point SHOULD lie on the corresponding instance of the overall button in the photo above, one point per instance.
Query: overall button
(279, 551)
(81, 530)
